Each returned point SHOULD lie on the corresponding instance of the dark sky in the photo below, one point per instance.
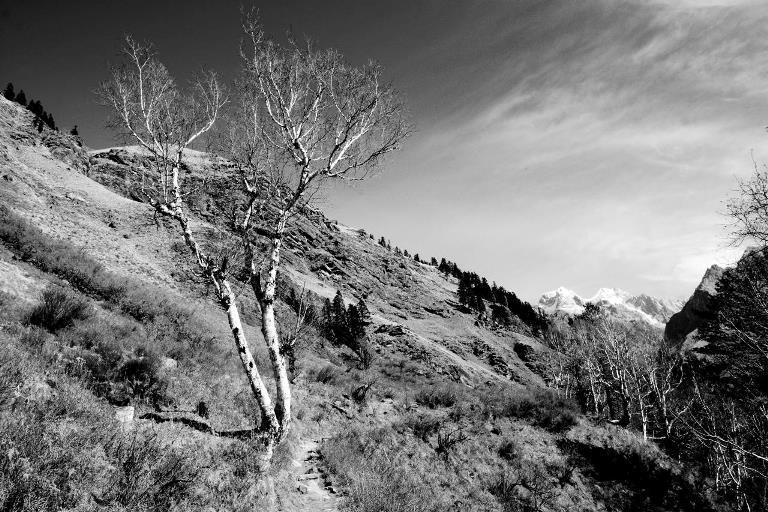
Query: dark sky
(584, 143)
(59, 51)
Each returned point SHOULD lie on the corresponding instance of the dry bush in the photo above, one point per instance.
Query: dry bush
(436, 396)
(377, 469)
(540, 407)
(526, 486)
(58, 308)
(328, 374)
(421, 425)
(147, 474)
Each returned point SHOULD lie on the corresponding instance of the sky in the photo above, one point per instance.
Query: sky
(584, 144)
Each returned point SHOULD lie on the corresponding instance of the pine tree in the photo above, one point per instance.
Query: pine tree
(74, 131)
(355, 325)
(50, 122)
(9, 93)
(327, 319)
(21, 98)
(479, 305)
(464, 292)
(443, 267)
(35, 107)
(416, 258)
(405, 253)
(365, 314)
(433, 261)
(340, 325)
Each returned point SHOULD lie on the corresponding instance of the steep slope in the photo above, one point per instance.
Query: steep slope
(697, 310)
(618, 303)
(413, 305)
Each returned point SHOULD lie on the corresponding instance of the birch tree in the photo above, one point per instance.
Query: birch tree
(147, 106)
(304, 117)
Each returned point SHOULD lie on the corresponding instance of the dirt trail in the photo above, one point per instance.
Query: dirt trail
(316, 492)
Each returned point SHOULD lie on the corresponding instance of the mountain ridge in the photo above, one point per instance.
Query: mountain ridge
(619, 303)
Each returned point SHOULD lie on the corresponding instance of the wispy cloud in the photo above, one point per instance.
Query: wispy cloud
(589, 143)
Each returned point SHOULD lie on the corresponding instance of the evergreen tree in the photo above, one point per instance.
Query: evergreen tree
(443, 267)
(416, 258)
(479, 305)
(340, 325)
(21, 98)
(356, 327)
(75, 133)
(35, 107)
(433, 261)
(405, 253)
(9, 93)
(464, 291)
(50, 122)
(382, 242)
(327, 319)
(365, 314)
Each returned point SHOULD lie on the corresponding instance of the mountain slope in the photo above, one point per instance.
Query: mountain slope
(452, 412)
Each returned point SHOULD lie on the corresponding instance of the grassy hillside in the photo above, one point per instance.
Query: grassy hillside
(120, 388)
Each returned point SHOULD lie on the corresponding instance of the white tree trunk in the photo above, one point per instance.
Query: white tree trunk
(272, 339)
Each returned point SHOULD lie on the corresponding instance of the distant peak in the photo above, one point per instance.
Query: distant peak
(620, 303)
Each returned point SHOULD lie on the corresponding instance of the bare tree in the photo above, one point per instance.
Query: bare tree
(303, 117)
(147, 105)
(749, 209)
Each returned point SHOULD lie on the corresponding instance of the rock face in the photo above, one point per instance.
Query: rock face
(697, 310)
(618, 303)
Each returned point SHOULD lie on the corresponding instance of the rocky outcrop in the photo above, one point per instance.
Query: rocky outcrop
(697, 310)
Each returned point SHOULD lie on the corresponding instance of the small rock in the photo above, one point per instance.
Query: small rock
(303, 489)
(124, 415)
(167, 363)
(40, 391)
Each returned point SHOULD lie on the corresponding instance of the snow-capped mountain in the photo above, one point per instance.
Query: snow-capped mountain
(616, 302)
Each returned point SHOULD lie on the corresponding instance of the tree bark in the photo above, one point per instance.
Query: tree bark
(272, 339)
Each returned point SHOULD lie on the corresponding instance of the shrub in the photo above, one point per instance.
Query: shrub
(328, 374)
(58, 308)
(365, 353)
(540, 407)
(378, 471)
(422, 425)
(436, 396)
(141, 378)
(45, 467)
(148, 475)
(508, 450)
(34, 337)
(12, 374)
